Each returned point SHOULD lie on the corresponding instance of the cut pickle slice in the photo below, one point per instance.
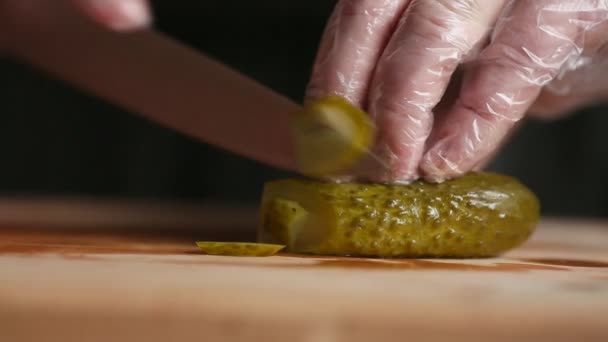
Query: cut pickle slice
(331, 137)
(238, 248)
(292, 215)
(476, 215)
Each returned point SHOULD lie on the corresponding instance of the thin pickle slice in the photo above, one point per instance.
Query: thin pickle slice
(239, 248)
(331, 136)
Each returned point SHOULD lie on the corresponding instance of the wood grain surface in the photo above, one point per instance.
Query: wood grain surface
(82, 270)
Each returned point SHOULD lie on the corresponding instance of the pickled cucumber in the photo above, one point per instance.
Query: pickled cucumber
(238, 248)
(476, 215)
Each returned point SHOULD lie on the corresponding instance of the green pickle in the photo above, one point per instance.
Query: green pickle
(476, 215)
(238, 248)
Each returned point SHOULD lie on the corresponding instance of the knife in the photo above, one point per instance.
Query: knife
(157, 77)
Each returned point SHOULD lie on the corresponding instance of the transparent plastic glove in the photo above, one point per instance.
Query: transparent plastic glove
(587, 85)
(117, 14)
(396, 58)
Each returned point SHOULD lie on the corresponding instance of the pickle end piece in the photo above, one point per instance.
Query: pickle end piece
(294, 225)
(239, 248)
(296, 215)
(284, 220)
(331, 137)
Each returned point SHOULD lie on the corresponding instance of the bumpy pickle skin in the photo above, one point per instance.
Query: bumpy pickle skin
(476, 215)
(238, 248)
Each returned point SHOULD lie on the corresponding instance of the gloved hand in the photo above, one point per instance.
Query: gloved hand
(119, 15)
(574, 89)
(396, 59)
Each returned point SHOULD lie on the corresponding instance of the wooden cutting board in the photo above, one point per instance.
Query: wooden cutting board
(116, 271)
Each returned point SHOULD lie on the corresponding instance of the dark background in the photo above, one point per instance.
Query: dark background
(57, 140)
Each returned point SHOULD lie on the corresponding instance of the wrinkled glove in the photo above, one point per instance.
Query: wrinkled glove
(397, 60)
